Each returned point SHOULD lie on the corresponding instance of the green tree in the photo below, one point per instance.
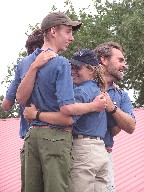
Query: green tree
(14, 112)
(122, 22)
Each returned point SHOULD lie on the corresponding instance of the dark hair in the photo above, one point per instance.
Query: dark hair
(35, 40)
(104, 49)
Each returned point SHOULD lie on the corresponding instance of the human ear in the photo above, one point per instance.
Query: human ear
(103, 60)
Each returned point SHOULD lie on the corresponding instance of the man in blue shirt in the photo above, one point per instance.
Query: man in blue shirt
(119, 108)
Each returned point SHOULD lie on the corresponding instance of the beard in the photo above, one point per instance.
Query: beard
(115, 72)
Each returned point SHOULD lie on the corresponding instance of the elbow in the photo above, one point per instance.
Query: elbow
(131, 129)
(5, 107)
(20, 100)
(7, 104)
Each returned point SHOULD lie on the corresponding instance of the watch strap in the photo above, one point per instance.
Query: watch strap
(37, 115)
(114, 110)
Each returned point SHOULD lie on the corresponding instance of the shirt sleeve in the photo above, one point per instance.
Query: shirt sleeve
(64, 84)
(12, 89)
(126, 105)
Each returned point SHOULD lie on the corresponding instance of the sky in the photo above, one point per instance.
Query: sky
(15, 17)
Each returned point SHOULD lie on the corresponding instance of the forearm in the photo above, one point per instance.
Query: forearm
(56, 118)
(115, 130)
(7, 104)
(78, 108)
(124, 121)
(26, 86)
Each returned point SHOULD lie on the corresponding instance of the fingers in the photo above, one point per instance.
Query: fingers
(50, 53)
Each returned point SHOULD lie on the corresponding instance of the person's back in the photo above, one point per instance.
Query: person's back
(35, 40)
(53, 86)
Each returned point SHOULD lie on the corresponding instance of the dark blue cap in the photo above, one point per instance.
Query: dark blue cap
(84, 56)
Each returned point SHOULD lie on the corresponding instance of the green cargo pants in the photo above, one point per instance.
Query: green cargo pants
(48, 160)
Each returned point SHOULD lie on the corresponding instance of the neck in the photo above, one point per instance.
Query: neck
(51, 45)
(109, 81)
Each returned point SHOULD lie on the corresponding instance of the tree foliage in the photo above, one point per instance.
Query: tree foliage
(120, 21)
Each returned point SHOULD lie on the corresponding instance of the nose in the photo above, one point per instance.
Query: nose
(125, 65)
(71, 37)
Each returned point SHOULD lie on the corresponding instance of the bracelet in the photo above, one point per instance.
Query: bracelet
(114, 110)
(37, 115)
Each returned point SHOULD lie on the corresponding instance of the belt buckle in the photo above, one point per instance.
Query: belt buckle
(80, 136)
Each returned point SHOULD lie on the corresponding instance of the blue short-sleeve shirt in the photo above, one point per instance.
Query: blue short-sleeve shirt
(53, 87)
(20, 72)
(122, 100)
(92, 124)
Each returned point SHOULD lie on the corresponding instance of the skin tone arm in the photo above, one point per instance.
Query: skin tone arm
(7, 104)
(123, 120)
(115, 131)
(42, 58)
(98, 104)
(56, 118)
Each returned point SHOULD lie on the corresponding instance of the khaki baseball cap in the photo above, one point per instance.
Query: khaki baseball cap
(59, 18)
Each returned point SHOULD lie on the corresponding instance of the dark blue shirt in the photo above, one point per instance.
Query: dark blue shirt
(92, 124)
(20, 72)
(122, 100)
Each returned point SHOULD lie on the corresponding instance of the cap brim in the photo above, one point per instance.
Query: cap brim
(76, 62)
(75, 24)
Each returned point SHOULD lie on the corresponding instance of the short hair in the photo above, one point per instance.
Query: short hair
(104, 49)
(35, 40)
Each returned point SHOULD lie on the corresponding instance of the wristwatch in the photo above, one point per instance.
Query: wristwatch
(114, 110)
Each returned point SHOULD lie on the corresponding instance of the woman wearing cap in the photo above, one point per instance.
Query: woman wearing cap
(89, 173)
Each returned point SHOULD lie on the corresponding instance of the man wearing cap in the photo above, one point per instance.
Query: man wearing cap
(119, 108)
(48, 146)
(89, 171)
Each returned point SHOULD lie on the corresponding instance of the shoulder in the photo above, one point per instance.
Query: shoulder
(25, 60)
(61, 60)
(88, 89)
(123, 94)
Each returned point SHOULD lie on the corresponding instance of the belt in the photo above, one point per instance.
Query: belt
(86, 136)
(66, 129)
